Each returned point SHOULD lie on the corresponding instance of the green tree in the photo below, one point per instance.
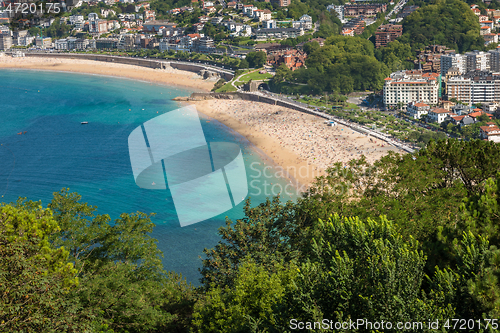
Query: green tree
(250, 303)
(444, 22)
(122, 281)
(35, 276)
(256, 59)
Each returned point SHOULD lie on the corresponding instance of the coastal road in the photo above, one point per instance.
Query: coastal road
(396, 9)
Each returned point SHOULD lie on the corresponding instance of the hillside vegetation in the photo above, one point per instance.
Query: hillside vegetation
(443, 22)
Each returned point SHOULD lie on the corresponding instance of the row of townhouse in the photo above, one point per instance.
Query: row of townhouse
(121, 41)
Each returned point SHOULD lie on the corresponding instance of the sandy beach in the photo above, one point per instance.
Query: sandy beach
(300, 143)
(162, 76)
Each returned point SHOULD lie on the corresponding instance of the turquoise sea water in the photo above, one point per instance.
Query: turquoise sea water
(58, 151)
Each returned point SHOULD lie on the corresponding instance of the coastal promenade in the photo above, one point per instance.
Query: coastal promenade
(196, 67)
(291, 104)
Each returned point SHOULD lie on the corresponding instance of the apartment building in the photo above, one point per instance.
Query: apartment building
(453, 60)
(98, 26)
(43, 42)
(403, 87)
(278, 33)
(281, 3)
(304, 22)
(337, 9)
(5, 42)
(387, 33)
(494, 60)
(106, 43)
(356, 10)
(474, 87)
(478, 60)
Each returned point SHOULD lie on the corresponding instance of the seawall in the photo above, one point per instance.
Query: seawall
(150, 63)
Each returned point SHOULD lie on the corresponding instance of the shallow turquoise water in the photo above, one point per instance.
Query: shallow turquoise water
(57, 151)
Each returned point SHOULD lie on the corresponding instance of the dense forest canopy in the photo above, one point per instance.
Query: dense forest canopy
(344, 64)
(444, 22)
(408, 238)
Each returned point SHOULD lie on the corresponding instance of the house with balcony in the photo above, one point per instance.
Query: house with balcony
(416, 109)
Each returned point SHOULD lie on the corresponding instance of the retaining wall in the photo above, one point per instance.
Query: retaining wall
(150, 63)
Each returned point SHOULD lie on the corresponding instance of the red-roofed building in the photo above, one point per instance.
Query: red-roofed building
(417, 109)
(347, 32)
(476, 114)
(490, 132)
(455, 120)
(293, 59)
(485, 30)
(404, 87)
(438, 115)
(194, 36)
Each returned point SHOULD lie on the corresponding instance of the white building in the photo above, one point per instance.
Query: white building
(453, 60)
(107, 12)
(249, 9)
(474, 87)
(417, 110)
(93, 17)
(490, 132)
(304, 22)
(404, 87)
(339, 10)
(270, 24)
(61, 44)
(478, 60)
(438, 115)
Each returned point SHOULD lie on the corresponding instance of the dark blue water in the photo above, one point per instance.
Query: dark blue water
(56, 151)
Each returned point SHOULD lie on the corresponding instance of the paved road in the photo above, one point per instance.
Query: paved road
(396, 9)
(356, 127)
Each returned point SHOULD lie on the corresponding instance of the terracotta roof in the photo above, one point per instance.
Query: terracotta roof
(420, 104)
(458, 118)
(440, 110)
(489, 129)
(388, 78)
(477, 114)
